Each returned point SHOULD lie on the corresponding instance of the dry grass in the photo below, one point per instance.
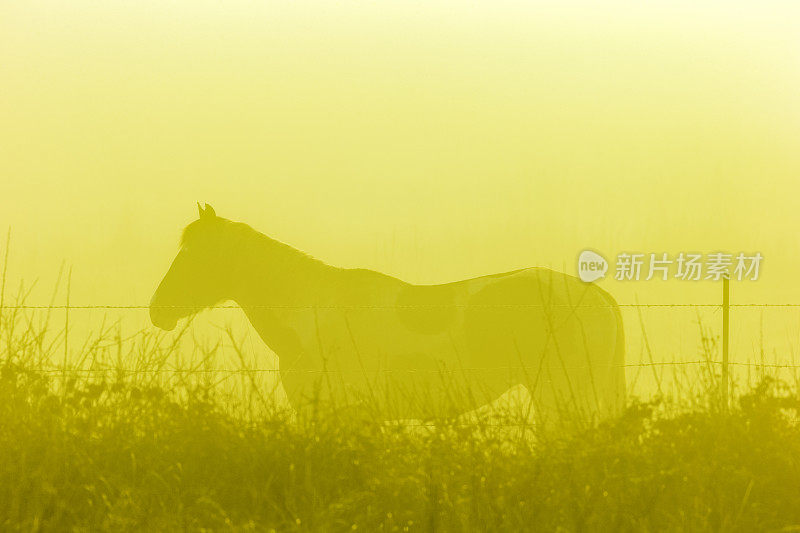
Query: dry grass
(132, 436)
(125, 440)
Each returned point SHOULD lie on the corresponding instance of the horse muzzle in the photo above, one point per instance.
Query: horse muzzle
(162, 318)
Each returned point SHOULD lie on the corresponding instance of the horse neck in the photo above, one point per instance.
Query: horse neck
(271, 274)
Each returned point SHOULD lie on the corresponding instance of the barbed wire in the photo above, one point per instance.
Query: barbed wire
(383, 371)
(417, 306)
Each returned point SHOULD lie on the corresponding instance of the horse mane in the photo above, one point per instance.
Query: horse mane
(243, 236)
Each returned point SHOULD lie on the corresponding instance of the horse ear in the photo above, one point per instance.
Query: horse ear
(199, 210)
(209, 212)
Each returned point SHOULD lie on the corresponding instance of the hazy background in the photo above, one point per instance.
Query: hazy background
(433, 141)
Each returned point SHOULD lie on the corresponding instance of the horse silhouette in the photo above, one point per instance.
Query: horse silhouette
(356, 336)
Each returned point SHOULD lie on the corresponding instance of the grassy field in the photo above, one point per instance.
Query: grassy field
(129, 439)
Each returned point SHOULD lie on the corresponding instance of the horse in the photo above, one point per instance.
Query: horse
(357, 336)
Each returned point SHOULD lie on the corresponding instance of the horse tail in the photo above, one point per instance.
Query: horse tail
(615, 395)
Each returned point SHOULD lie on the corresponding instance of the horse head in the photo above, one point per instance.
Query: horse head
(199, 275)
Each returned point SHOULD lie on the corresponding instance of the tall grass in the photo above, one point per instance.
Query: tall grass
(131, 436)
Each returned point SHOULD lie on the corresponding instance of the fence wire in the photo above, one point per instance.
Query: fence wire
(68, 307)
(415, 306)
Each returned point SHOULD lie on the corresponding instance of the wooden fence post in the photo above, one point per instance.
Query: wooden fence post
(726, 309)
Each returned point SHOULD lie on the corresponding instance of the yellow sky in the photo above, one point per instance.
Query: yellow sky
(430, 140)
